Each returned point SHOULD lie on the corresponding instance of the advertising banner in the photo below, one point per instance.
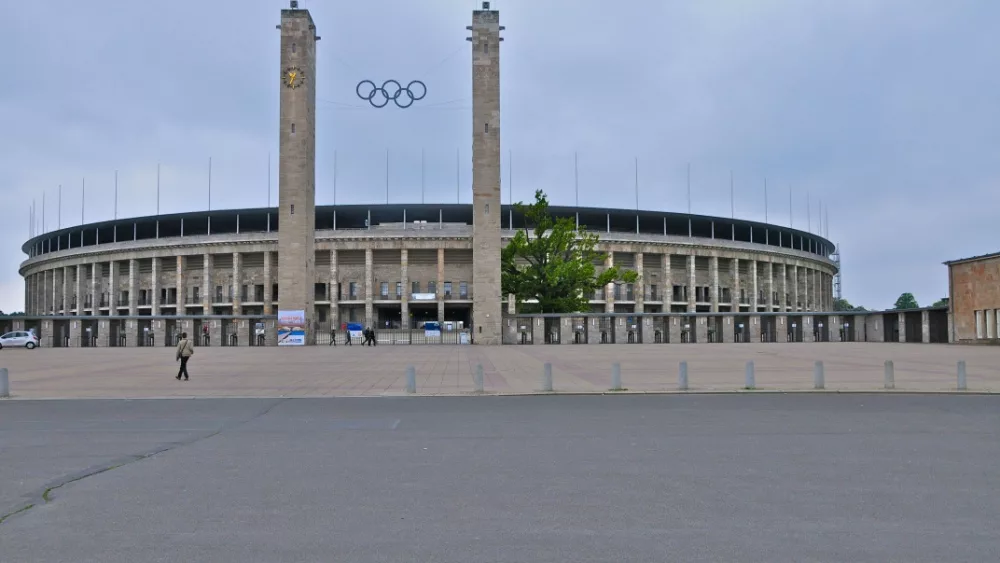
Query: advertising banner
(291, 328)
(356, 330)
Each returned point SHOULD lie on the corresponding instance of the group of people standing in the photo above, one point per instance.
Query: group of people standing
(367, 337)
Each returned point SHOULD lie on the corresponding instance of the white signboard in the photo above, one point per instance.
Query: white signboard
(291, 328)
(423, 297)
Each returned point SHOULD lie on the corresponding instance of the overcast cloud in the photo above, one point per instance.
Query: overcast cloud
(887, 111)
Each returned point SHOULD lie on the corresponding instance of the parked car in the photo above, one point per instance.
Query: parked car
(18, 338)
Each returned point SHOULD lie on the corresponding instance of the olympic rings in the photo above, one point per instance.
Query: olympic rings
(392, 94)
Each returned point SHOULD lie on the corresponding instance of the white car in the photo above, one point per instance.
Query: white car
(18, 338)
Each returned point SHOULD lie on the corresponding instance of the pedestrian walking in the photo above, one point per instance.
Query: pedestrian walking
(185, 349)
(333, 336)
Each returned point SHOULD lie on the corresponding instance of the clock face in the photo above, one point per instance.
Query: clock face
(292, 77)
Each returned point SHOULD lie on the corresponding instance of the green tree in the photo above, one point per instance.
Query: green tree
(845, 305)
(943, 302)
(550, 261)
(906, 301)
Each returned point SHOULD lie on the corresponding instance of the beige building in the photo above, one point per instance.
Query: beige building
(222, 274)
(974, 299)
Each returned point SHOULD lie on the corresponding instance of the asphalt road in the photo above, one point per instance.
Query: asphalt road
(763, 478)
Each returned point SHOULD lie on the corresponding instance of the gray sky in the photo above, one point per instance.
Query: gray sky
(885, 110)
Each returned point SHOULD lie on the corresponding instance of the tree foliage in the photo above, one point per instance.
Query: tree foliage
(906, 301)
(550, 261)
(845, 305)
(943, 302)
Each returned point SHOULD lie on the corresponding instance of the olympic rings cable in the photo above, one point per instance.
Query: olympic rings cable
(379, 96)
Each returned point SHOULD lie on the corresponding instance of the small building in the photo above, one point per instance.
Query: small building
(974, 299)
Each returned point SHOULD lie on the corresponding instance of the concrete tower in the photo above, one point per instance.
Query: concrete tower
(486, 308)
(297, 165)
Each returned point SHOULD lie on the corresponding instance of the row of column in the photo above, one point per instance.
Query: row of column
(809, 283)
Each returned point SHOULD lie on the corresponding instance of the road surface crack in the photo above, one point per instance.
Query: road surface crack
(44, 495)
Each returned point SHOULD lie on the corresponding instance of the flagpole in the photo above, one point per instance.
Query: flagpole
(689, 187)
(791, 218)
(765, 199)
(43, 211)
(116, 194)
(808, 214)
(732, 196)
(83, 199)
(576, 176)
(209, 184)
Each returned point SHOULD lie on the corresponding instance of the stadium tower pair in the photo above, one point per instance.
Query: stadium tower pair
(297, 170)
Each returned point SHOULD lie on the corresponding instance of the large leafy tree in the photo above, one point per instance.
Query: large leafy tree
(550, 261)
(906, 301)
(943, 302)
(845, 305)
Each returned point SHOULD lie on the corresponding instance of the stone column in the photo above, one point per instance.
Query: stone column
(609, 290)
(133, 290)
(925, 327)
(755, 329)
(901, 324)
(159, 331)
(668, 284)
(238, 285)
(781, 327)
(728, 329)
(640, 296)
(103, 333)
(207, 287)
(692, 283)
(404, 280)
(74, 333)
(215, 331)
(79, 289)
(132, 335)
(674, 329)
(440, 285)
(154, 289)
(714, 297)
(369, 279)
(795, 287)
(835, 325)
(735, 292)
(113, 289)
(784, 288)
(95, 298)
(701, 329)
(268, 282)
(769, 286)
(181, 290)
(334, 291)
(46, 292)
(66, 275)
(755, 291)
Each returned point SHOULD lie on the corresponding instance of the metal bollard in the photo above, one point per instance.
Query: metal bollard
(682, 380)
(890, 375)
(547, 378)
(616, 376)
(411, 379)
(819, 378)
(4, 384)
(478, 378)
(961, 376)
(750, 383)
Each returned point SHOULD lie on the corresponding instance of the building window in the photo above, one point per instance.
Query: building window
(415, 287)
(447, 289)
(293, 128)
(979, 324)
(322, 314)
(432, 287)
(384, 290)
(399, 289)
(353, 290)
(463, 290)
(487, 128)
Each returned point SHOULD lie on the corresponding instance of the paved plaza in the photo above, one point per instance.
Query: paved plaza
(771, 477)
(448, 369)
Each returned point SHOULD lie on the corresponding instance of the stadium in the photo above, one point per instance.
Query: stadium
(227, 276)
